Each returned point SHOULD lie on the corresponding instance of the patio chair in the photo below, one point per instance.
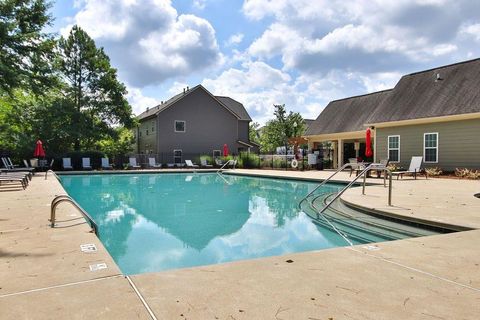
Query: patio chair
(10, 178)
(34, 163)
(132, 163)
(153, 164)
(205, 164)
(355, 166)
(106, 164)
(9, 167)
(67, 164)
(218, 162)
(414, 168)
(86, 164)
(384, 164)
(17, 167)
(190, 164)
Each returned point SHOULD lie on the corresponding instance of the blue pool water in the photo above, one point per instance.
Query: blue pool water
(153, 222)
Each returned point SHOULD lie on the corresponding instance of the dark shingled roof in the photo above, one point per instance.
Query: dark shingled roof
(236, 107)
(417, 95)
(308, 122)
(349, 114)
(421, 95)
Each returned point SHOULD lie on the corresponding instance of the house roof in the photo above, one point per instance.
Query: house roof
(233, 106)
(417, 95)
(346, 115)
(308, 122)
(421, 95)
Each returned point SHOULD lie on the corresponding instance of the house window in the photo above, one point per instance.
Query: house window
(146, 133)
(394, 148)
(177, 156)
(153, 126)
(430, 147)
(179, 126)
(217, 154)
(139, 133)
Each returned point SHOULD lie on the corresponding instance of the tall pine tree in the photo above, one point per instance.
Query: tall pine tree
(95, 96)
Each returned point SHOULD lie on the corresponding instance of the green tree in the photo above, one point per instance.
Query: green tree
(26, 51)
(92, 89)
(253, 132)
(276, 132)
(121, 143)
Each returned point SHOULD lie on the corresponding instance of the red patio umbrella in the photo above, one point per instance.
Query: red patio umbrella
(39, 152)
(368, 142)
(225, 150)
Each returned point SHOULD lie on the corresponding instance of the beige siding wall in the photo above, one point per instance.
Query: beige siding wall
(147, 137)
(458, 141)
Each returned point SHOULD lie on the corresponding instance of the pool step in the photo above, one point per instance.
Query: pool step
(358, 225)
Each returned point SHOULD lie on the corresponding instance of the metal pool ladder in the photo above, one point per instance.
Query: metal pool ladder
(363, 173)
(66, 198)
(225, 164)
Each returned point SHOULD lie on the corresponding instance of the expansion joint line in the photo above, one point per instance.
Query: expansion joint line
(58, 286)
(145, 304)
(416, 270)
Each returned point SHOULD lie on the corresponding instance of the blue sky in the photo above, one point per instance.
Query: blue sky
(262, 52)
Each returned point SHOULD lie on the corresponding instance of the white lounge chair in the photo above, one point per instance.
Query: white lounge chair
(133, 163)
(205, 164)
(153, 164)
(67, 164)
(9, 167)
(218, 162)
(106, 164)
(190, 164)
(86, 164)
(414, 168)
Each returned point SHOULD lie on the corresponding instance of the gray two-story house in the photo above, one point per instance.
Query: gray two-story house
(194, 122)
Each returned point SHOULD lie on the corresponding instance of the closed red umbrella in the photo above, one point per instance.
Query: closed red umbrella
(368, 143)
(39, 152)
(225, 150)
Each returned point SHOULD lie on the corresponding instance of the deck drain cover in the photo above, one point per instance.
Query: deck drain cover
(98, 266)
(88, 247)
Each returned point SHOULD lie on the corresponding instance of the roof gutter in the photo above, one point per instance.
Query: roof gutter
(456, 117)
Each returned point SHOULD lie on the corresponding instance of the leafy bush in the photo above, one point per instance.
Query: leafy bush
(248, 160)
(433, 172)
(393, 167)
(208, 158)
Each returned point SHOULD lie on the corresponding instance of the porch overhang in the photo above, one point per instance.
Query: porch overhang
(336, 136)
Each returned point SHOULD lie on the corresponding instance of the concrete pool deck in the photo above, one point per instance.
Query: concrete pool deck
(44, 275)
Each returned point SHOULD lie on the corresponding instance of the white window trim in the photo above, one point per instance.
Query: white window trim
(184, 126)
(174, 156)
(388, 148)
(213, 153)
(438, 143)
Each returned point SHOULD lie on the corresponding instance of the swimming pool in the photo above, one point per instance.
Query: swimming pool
(154, 222)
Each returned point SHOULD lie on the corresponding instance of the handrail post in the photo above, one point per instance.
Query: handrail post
(63, 197)
(364, 182)
(389, 188)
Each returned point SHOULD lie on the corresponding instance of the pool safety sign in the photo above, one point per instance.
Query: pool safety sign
(88, 247)
(98, 266)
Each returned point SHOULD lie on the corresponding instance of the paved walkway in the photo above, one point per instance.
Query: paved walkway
(44, 275)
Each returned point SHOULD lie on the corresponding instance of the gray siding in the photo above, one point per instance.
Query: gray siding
(209, 126)
(243, 130)
(458, 141)
(146, 140)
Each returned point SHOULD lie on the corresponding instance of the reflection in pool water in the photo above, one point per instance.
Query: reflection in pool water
(152, 222)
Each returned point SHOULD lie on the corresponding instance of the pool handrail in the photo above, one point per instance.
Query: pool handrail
(66, 198)
(363, 173)
(346, 165)
(224, 165)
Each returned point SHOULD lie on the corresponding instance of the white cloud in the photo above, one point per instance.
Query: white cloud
(139, 102)
(147, 40)
(235, 39)
(378, 36)
(472, 30)
(199, 4)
